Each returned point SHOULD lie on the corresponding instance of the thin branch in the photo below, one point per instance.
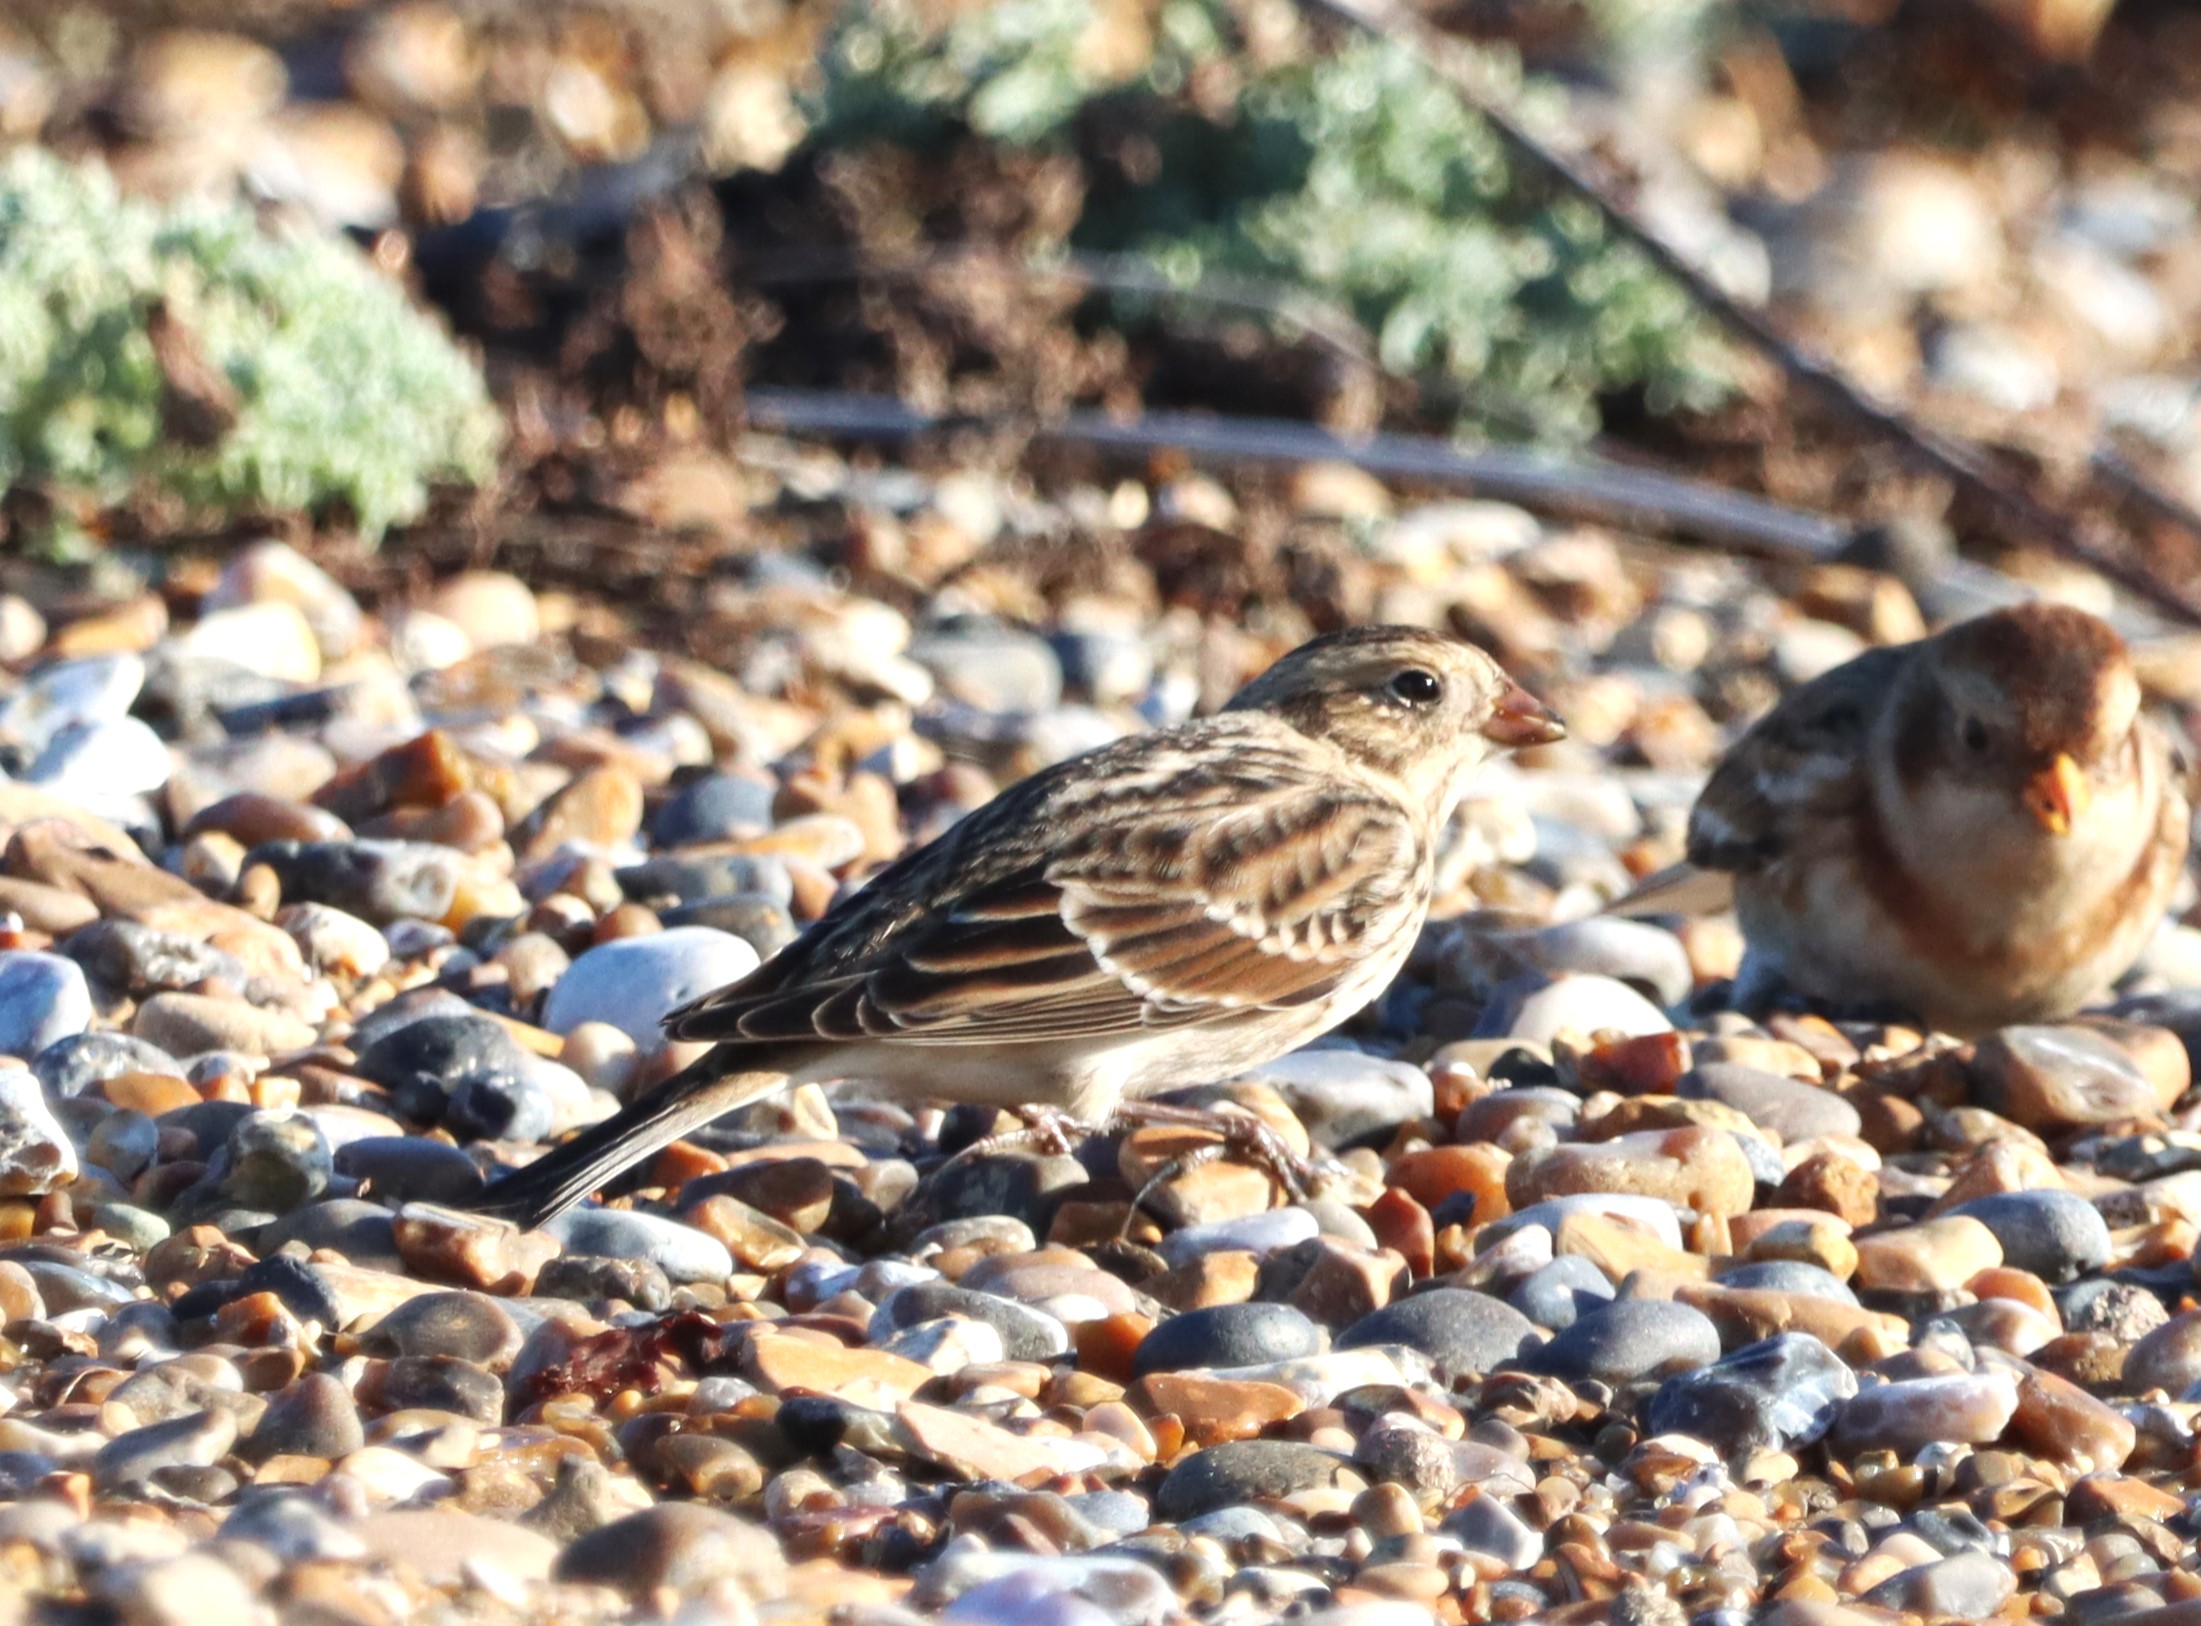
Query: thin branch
(1584, 488)
(1290, 307)
(1961, 464)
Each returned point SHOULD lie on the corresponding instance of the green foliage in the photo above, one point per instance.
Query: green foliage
(1358, 176)
(346, 394)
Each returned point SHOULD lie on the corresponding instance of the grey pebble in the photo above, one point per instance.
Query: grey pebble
(714, 807)
(682, 1252)
(2057, 1235)
(1222, 1335)
(1027, 1334)
(379, 881)
(72, 1065)
(1460, 1330)
(1629, 1339)
(197, 1440)
(1554, 1295)
(1247, 1471)
(314, 1417)
(43, 1000)
(363, 1232)
(410, 1168)
(277, 1162)
(1789, 1276)
(471, 1326)
(1793, 1108)
(1781, 1394)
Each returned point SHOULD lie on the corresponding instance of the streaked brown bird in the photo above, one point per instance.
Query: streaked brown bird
(1169, 910)
(1978, 828)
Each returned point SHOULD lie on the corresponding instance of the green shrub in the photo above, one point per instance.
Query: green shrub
(1357, 175)
(346, 395)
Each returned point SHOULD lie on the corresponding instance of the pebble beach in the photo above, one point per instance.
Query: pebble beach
(793, 488)
(1612, 1306)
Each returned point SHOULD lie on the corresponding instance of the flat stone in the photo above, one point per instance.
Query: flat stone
(449, 1547)
(1931, 1256)
(1486, 1525)
(2057, 1235)
(43, 1000)
(467, 1250)
(2059, 1419)
(1227, 1335)
(1214, 1409)
(1558, 1294)
(1345, 1097)
(1249, 1471)
(1583, 1005)
(684, 1253)
(1696, 1168)
(1780, 1394)
(198, 1440)
(1626, 1340)
(1027, 1333)
(314, 1417)
(631, 983)
(865, 1377)
(36, 1154)
(979, 1449)
(2055, 1079)
(1460, 1330)
(1964, 1408)
(2169, 1358)
(1628, 951)
(753, 1240)
(1793, 1109)
(1970, 1585)
(681, 1548)
(1835, 1184)
(188, 1024)
(470, 1326)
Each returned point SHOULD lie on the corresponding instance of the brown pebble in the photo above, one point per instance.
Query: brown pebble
(1214, 1409)
(1698, 1168)
(469, 1251)
(252, 818)
(600, 808)
(1839, 1185)
(628, 920)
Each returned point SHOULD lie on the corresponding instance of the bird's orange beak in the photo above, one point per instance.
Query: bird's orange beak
(1520, 719)
(2058, 795)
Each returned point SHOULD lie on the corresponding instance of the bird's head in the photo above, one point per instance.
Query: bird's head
(2033, 706)
(1419, 706)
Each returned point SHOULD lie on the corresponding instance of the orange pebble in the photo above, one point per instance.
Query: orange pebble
(1434, 1173)
(1403, 1224)
(2008, 1282)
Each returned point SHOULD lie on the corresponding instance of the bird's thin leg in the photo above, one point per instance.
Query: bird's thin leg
(1183, 1163)
(1052, 1129)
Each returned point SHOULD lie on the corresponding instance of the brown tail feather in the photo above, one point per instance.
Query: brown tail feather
(714, 1084)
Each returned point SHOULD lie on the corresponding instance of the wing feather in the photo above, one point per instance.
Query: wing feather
(1183, 903)
(1802, 761)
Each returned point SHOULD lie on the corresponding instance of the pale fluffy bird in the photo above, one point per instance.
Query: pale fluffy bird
(1169, 910)
(1978, 828)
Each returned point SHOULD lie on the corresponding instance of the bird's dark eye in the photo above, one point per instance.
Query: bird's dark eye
(1975, 734)
(1417, 687)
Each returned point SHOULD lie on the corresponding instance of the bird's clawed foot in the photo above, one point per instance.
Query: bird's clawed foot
(1244, 1138)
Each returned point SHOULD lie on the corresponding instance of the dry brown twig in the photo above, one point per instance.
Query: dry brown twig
(2090, 543)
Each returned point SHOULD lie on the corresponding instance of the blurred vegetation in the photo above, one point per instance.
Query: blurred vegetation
(1217, 147)
(330, 390)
